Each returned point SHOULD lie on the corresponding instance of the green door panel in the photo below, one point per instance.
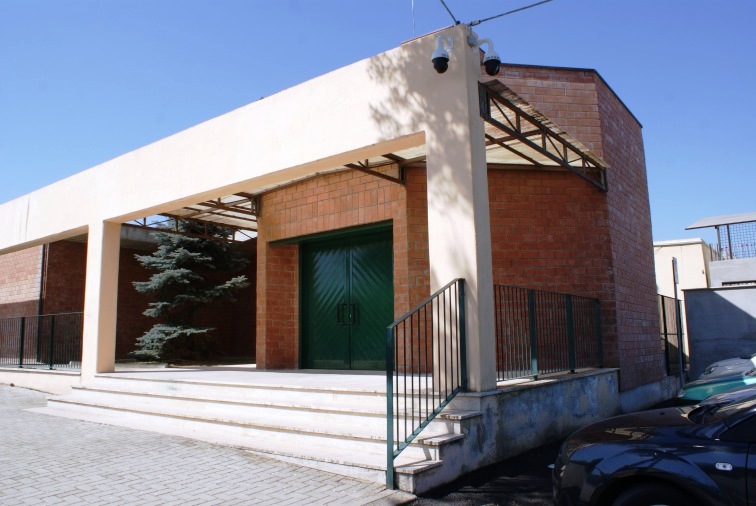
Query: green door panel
(347, 301)
(325, 298)
(372, 298)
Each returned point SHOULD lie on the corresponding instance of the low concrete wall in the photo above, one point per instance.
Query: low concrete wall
(517, 418)
(646, 396)
(721, 324)
(53, 382)
(732, 271)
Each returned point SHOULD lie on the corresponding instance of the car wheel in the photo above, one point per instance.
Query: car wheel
(653, 494)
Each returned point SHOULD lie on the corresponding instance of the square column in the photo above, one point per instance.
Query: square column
(100, 300)
(459, 231)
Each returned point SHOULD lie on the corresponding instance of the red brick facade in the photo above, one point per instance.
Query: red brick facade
(604, 239)
(65, 271)
(20, 274)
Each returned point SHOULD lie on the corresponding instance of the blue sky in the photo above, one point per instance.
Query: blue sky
(83, 81)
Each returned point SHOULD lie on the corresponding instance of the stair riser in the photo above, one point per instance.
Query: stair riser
(348, 423)
(351, 423)
(308, 445)
(248, 393)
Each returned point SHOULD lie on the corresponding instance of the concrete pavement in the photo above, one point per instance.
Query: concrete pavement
(51, 460)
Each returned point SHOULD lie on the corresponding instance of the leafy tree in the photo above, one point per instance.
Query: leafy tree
(190, 272)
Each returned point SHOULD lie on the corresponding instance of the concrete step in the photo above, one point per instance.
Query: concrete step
(252, 433)
(352, 456)
(324, 397)
(337, 429)
(349, 422)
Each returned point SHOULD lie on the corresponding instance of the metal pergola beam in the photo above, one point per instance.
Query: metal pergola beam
(154, 227)
(524, 129)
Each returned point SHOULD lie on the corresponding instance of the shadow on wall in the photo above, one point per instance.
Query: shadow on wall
(422, 104)
(721, 324)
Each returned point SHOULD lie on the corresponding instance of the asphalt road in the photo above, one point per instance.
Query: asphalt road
(524, 480)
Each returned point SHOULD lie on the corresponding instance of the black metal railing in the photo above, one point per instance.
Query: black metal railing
(672, 338)
(50, 341)
(541, 332)
(425, 367)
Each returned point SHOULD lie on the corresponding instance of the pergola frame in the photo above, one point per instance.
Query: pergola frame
(534, 138)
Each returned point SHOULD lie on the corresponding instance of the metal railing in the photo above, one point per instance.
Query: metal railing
(541, 332)
(670, 337)
(425, 367)
(736, 241)
(50, 341)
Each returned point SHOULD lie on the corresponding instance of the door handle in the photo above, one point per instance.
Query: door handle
(340, 314)
(352, 314)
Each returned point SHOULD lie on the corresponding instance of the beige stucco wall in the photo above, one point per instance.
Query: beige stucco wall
(693, 258)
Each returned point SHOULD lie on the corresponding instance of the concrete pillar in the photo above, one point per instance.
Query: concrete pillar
(100, 300)
(459, 229)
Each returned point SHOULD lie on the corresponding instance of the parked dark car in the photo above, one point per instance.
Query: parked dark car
(679, 456)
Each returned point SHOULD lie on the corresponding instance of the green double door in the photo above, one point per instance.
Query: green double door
(347, 301)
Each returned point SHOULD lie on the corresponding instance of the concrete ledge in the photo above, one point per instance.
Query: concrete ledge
(53, 382)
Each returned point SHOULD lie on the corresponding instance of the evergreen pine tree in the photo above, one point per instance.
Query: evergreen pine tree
(189, 273)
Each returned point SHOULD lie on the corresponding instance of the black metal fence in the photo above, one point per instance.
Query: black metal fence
(43, 341)
(541, 332)
(425, 367)
(670, 337)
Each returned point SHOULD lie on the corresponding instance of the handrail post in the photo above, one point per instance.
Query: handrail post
(390, 408)
(21, 343)
(570, 332)
(599, 344)
(52, 340)
(665, 331)
(462, 332)
(533, 334)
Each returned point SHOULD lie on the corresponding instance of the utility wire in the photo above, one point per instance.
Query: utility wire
(456, 21)
(474, 23)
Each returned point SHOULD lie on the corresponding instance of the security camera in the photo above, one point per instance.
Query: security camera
(440, 57)
(491, 62)
(440, 61)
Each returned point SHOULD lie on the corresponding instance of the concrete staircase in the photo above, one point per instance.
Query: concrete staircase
(338, 430)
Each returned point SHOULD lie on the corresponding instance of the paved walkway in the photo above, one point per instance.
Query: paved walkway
(51, 460)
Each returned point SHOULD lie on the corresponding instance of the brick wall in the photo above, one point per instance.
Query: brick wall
(640, 357)
(20, 274)
(64, 277)
(325, 203)
(549, 232)
(616, 225)
(64, 292)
